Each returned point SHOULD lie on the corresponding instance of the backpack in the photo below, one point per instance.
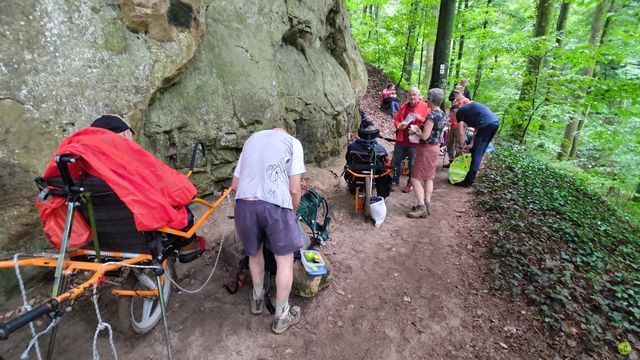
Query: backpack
(307, 212)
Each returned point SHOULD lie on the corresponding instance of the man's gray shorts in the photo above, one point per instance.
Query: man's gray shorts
(259, 221)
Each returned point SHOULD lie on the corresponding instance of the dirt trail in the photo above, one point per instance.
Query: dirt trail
(413, 289)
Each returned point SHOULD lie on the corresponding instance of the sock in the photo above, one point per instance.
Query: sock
(282, 306)
(258, 291)
(421, 203)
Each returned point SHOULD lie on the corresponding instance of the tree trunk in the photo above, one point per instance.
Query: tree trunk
(410, 49)
(567, 141)
(428, 63)
(562, 22)
(576, 140)
(480, 67)
(636, 196)
(461, 44)
(526, 100)
(424, 35)
(442, 50)
(595, 40)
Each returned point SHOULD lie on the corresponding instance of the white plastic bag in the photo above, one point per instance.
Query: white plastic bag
(378, 210)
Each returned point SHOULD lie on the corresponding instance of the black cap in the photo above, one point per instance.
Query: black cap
(111, 122)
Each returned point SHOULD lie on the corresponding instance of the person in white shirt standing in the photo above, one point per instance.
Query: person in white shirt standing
(267, 184)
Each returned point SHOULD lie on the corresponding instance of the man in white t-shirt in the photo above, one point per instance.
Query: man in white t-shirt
(267, 185)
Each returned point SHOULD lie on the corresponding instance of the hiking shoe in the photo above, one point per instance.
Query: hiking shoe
(407, 189)
(191, 251)
(257, 306)
(419, 212)
(290, 318)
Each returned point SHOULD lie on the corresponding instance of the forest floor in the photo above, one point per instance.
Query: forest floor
(412, 289)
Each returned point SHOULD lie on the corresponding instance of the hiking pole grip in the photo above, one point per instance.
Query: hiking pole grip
(6, 328)
(198, 145)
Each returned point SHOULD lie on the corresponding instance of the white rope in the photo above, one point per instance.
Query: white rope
(25, 353)
(101, 326)
(224, 228)
(26, 307)
(210, 274)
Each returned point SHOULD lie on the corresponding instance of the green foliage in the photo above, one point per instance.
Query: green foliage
(495, 60)
(561, 245)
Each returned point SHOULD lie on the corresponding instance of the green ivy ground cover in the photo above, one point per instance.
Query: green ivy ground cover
(562, 246)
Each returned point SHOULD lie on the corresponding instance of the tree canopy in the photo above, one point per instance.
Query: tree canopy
(563, 76)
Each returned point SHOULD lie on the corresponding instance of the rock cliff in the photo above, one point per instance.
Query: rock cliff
(177, 70)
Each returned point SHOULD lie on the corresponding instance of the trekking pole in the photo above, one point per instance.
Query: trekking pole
(163, 310)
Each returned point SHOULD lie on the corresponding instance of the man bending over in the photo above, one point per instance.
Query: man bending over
(267, 185)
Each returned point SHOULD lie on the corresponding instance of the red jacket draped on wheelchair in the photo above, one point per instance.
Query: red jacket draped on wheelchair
(131, 192)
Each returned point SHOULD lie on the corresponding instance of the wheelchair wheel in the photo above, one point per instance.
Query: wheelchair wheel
(145, 312)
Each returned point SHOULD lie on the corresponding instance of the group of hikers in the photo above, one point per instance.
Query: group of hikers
(267, 184)
(420, 129)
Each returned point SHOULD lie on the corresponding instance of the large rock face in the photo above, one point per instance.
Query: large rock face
(178, 70)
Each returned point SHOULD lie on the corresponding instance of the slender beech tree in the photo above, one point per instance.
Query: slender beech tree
(480, 66)
(458, 59)
(442, 50)
(561, 24)
(569, 145)
(530, 82)
(410, 48)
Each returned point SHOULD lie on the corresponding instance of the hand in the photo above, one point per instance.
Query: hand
(403, 125)
(466, 148)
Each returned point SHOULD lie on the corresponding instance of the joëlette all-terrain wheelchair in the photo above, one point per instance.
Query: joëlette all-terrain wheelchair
(136, 262)
(367, 167)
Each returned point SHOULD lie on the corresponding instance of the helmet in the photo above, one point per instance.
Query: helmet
(368, 133)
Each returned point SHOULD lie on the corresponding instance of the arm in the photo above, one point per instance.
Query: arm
(424, 135)
(398, 120)
(234, 183)
(295, 190)
(461, 133)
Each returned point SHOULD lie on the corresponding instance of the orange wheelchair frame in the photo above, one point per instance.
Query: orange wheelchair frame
(100, 263)
(362, 201)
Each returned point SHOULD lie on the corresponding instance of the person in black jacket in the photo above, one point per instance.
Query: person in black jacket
(466, 93)
(486, 123)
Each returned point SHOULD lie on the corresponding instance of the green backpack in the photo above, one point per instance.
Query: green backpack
(307, 212)
(459, 168)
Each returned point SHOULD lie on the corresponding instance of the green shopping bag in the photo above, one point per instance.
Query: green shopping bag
(459, 168)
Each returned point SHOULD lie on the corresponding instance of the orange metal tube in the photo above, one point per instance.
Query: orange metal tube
(212, 208)
(386, 172)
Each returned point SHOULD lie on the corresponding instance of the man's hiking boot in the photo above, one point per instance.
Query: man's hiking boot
(291, 317)
(420, 211)
(257, 306)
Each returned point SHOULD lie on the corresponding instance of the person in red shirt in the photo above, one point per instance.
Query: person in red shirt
(459, 100)
(413, 112)
(389, 99)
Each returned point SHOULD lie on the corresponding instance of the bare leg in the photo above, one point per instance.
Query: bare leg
(284, 276)
(419, 190)
(256, 267)
(428, 190)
